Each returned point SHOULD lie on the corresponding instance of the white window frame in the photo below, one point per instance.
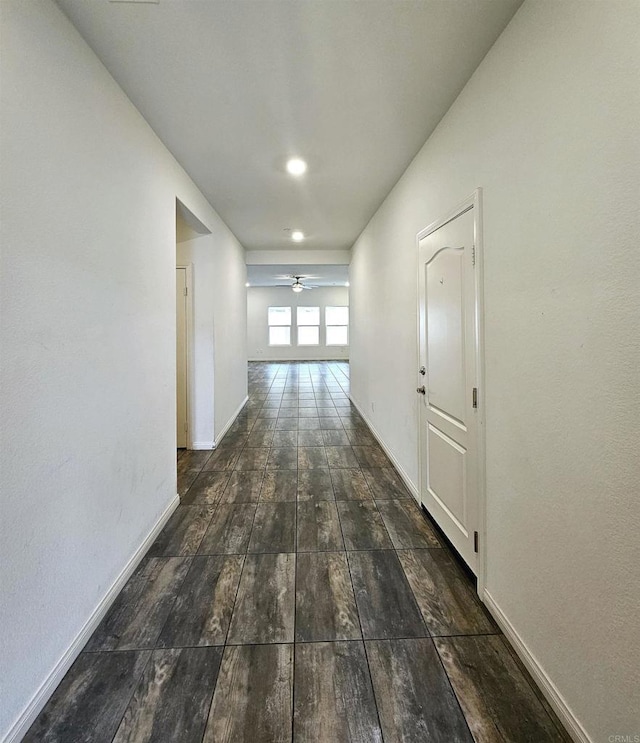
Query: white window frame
(333, 325)
(279, 325)
(307, 325)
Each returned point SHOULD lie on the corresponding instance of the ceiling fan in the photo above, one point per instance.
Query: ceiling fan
(297, 284)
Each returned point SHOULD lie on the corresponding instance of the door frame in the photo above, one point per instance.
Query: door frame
(188, 269)
(474, 201)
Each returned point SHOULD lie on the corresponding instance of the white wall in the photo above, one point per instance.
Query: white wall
(297, 257)
(230, 331)
(259, 299)
(88, 198)
(219, 309)
(548, 127)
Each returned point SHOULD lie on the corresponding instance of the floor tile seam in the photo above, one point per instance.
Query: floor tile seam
(255, 503)
(253, 523)
(399, 497)
(244, 563)
(198, 470)
(357, 640)
(235, 597)
(453, 635)
(403, 638)
(353, 588)
(131, 695)
(152, 648)
(296, 544)
(366, 654)
(455, 695)
(117, 651)
(335, 550)
(384, 523)
(177, 593)
(535, 689)
(295, 619)
(213, 692)
(215, 503)
(413, 596)
(223, 556)
(225, 643)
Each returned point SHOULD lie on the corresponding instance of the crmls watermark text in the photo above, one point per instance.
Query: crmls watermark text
(624, 738)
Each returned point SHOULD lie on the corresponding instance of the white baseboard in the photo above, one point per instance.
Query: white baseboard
(20, 727)
(229, 423)
(548, 688)
(202, 445)
(546, 685)
(411, 486)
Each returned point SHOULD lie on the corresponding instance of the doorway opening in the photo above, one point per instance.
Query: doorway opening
(188, 229)
(297, 311)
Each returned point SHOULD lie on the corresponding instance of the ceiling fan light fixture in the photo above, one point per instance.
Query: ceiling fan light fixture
(296, 166)
(297, 287)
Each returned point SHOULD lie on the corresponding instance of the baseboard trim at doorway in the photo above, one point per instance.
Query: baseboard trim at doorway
(202, 445)
(545, 684)
(411, 487)
(26, 718)
(229, 423)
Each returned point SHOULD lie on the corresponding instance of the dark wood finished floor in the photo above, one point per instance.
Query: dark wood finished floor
(299, 594)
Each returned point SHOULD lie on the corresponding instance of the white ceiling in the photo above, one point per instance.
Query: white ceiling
(234, 87)
(271, 275)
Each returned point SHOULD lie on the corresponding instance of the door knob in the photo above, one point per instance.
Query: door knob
(421, 390)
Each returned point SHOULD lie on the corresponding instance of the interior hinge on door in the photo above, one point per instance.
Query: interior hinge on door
(473, 255)
(186, 291)
(475, 541)
(186, 427)
(475, 397)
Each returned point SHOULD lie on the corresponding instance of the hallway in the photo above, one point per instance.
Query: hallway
(293, 589)
(295, 540)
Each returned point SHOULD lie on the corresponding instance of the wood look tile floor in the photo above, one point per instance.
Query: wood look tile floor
(298, 593)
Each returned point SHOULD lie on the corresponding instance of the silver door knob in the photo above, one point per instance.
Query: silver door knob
(421, 390)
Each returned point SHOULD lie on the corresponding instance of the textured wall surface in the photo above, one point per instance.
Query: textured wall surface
(548, 127)
(87, 452)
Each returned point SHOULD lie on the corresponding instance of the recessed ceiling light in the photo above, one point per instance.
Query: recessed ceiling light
(346, 283)
(297, 236)
(296, 166)
(247, 284)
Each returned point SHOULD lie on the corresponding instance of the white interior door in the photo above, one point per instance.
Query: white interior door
(448, 380)
(181, 356)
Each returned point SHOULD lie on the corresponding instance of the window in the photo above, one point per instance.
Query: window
(308, 326)
(279, 319)
(337, 325)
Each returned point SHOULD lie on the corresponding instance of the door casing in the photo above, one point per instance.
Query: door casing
(474, 202)
(188, 269)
